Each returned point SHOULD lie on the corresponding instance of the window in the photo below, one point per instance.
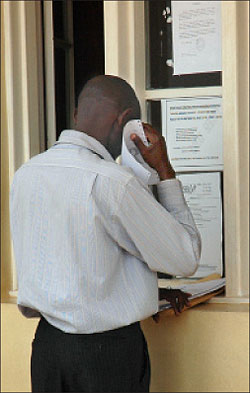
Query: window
(159, 69)
(124, 33)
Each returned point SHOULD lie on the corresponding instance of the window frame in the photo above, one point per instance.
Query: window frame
(125, 57)
(23, 93)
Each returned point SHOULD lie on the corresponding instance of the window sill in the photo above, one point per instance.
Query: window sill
(229, 300)
(13, 294)
(222, 307)
(219, 299)
(207, 306)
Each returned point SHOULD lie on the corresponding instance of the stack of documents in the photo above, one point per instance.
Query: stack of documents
(197, 289)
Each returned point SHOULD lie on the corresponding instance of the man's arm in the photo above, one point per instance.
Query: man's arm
(161, 234)
(152, 233)
(157, 157)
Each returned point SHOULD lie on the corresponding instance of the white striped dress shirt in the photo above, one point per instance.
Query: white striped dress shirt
(89, 237)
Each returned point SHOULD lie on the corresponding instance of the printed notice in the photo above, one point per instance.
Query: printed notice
(196, 36)
(193, 132)
(202, 192)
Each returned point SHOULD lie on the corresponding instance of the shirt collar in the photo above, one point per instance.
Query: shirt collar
(81, 139)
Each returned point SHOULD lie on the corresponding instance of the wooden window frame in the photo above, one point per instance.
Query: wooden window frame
(125, 57)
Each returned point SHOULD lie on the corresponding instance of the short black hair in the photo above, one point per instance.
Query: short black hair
(115, 89)
(82, 83)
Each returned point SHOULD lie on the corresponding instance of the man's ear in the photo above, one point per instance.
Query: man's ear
(75, 115)
(123, 117)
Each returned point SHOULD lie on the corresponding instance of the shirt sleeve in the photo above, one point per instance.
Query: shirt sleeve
(164, 232)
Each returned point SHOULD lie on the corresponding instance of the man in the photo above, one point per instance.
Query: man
(89, 238)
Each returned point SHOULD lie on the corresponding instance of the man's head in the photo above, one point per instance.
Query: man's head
(105, 104)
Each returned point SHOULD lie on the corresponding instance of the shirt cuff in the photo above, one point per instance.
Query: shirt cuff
(170, 194)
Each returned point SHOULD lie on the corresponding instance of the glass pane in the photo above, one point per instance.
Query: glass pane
(159, 51)
(154, 114)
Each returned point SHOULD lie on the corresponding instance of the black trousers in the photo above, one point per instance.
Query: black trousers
(112, 361)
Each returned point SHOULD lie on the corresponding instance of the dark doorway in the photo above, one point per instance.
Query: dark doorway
(88, 41)
(78, 25)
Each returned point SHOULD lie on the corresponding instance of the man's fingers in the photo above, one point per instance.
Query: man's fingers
(138, 142)
(176, 307)
(185, 298)
(152, 135)
(149, 128)
(188, 294)
(187, 303)
(176, 311)
(156, 317)
(179, 302)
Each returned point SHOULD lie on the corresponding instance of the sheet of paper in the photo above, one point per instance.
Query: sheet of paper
(132, 158)
(202, 192)
(196, 36)
(176, 282)
(197, 290)
(193, 131)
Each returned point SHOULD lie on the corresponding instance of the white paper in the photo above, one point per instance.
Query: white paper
(193, 132)
(196, 290)
(196, 36)
(203, 195)
(131, 157)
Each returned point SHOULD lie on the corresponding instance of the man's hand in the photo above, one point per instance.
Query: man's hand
(176, 298)
(155, 155)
